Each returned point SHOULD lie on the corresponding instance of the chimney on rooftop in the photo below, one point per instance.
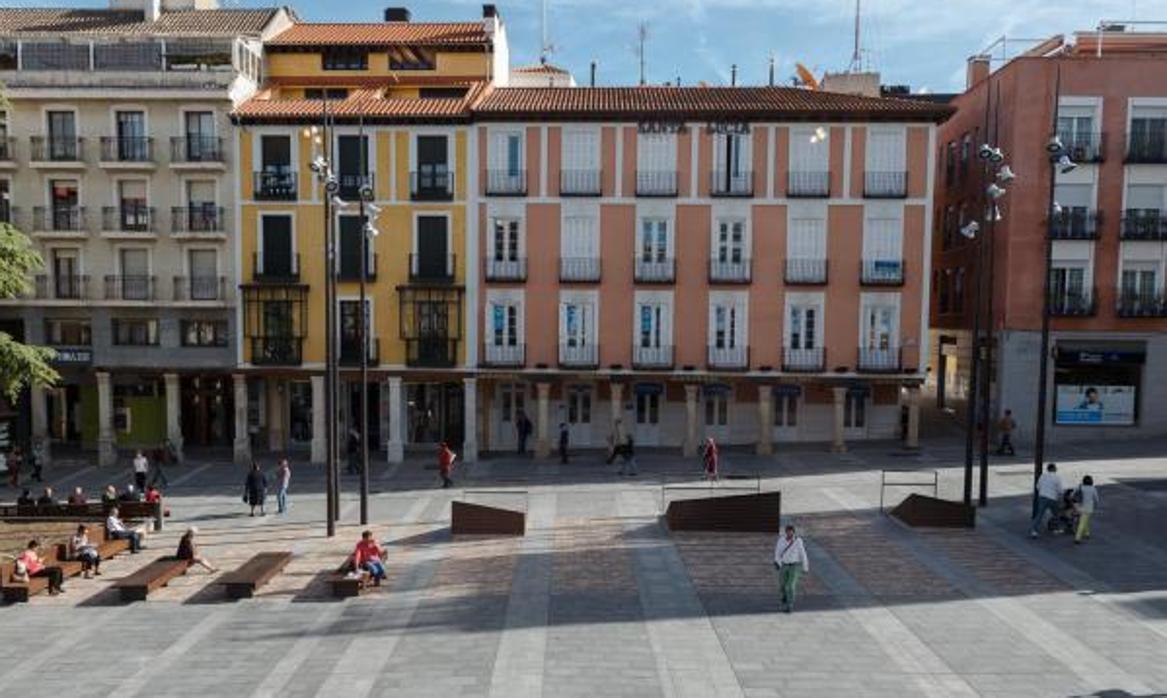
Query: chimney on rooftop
(397, 14)
(489, 10)
(151, 10)
(592, 81)
(978, 69)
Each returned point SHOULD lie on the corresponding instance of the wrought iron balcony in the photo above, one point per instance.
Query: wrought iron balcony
(196, 149)
(127, 149)
(1072, 303)
(283, 268)
(351, 271)
(506, 269)
(731, 358)
(1144, 224)
(804, 360)
(579, 269)
(277, 351)
(432, 268)
(196, 218)
(200, 288)
(132, 218)
(59, 218)
(431, 186)
(504, 355)
(56, 149)
(7, 149)
(1135, 305)
(579, 182)
(881, 272)
(579, 355)
(660, 357)
(352, 184)
(655, 271)
(1075, 223)
(274, 185)
(726, 183)
(656, 182)
(129, 287)
(807, 271)
(730, 271)
(506, 182)
(880, 359)
(808, 184)
(1148, 148)
(885, 185)
(431, 352)
(62, 287)
(1083, 146)
(350, 352)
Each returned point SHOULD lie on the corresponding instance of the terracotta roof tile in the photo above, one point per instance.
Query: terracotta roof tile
(382, 34)
(119, 22)
(365, 102)
(696, 102)
(540, 68)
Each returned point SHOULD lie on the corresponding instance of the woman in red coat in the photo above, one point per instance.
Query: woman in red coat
(446, 459)
(711, 459)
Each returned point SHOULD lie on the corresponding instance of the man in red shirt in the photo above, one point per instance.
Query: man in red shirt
(446, 459)
(370, 556)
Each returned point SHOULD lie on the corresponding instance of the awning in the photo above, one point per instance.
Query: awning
(717, 388)
(648, 388)
(1081, 353)
(787, 390)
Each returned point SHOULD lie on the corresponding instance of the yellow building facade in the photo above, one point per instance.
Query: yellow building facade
(386, 107)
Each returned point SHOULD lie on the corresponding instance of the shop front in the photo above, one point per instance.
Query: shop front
(1098, 383)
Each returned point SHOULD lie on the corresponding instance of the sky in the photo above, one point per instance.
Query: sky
(921, 43)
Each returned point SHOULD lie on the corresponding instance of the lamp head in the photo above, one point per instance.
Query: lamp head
(970, 229)
(985, 151)
(371, 230)
(1054, 146)
(1005, 175)
(995, 214)
(331, 184)
(373, 210)
(367, 193)
(337, 201)
(994, 192)
(1057, 209)
(1066, 165)
(997, 155)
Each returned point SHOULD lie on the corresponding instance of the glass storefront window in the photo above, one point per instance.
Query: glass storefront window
(300, 401)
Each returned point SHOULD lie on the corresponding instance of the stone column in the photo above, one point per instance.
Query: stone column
(40, 424)
(838, 445)
(617, 390)
(542, 438)
(765, 419)
(394, 447)
(106, 447)
(689, 447)
(319, 422)
(275, 415)
(913, 440)
(470, 420)
(173, 412)
(242, 436)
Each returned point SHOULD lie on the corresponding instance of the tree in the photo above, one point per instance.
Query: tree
(21, 365)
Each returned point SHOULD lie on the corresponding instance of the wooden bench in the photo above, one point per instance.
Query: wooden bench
(152, 577)
(344, 584)
(85, 512)
(56, 556)
(242, 582)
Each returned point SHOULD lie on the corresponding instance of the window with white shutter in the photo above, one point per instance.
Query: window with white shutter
(580, 171)
(885, 174)
(883, 247)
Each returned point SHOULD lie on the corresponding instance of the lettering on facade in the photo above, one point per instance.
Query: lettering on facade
(66, 355)
(661, 127)
(728, 127)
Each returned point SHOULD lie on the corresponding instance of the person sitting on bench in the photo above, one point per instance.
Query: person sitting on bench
(25, 499)
(78, 496)
(118, 531)
(46, 499)
(130, 494)
(370, 557)
(189, 550)
(36, 568)
(110, 496)
(81, 549)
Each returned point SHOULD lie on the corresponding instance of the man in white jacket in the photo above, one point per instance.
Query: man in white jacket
(791, 561)
(1049, 496)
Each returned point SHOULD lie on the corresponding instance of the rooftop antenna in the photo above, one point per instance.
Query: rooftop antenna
(771, 69)
(546, 48)
(856, 57)
(641, 38)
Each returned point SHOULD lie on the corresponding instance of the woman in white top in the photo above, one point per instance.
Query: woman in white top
(81, 549)
(791, 561)
(1086, 500)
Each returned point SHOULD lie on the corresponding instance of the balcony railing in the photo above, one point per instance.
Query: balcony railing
(805, 271)
(277, 351)
(504, 354)
(350, 352)
(579, 355)
(881, 272)
(59, 218)
(579, 182)
(7, 149)
(1075, 224)
(506, 269)
(274, 186)
(431, 186)
(652, 357)
(131, 287)
(885, 185)
(131, 149)
(575, 269)
(1144, 224)
(1147, 148)
(734, 358)
(9, 213)
(1133, 305)
(880, 359)
(506, 182)
(352, 184)
(352, 272)
(729, 271)
(726, 183)
(809, 184)
(655, 271)
(1072, 303)
(196, 219)
(804, 360)
(65, 287)
(1083, 146)
(56, 149)
(280, 268)
(432, 268)
(196, 149)
(656, 183)
(431, 352)
(133, 218)
(200, 288)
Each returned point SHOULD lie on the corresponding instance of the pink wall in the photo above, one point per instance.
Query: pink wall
(858, 159)
(844, 250)
(629, 160)
(761, 137)
(542, 297)
(782, 159)
(554, 154)
(912, 295)
(768, 225)
(533, 173)
(691, 294)
(917, 162)
(685, 162)
(704, 162)
(617, 236)
(608, 160)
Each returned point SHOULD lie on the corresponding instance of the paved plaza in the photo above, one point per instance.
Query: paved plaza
(599, 599)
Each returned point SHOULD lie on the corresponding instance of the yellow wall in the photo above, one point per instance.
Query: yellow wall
(393, 245)
(309, 64)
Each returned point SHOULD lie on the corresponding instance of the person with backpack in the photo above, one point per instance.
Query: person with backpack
(1086, 501)
(791, 562)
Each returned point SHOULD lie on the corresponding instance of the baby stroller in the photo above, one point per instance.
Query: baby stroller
(1065, 519)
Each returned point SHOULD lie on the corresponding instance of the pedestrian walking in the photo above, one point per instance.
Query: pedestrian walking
(1006, 425)
(255, 489)
(141, 469)
(157, 475)
(14, 462)
(791, 562)
(626, 448)
(1049, 494)
(564, 437)
(712, 458)
(354, 452)
(446, 459)
(1086, 501)
(523, 430)
(36, 461)
(283, 477)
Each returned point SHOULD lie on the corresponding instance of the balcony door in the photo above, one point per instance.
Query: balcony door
(654, 240)
(276, 252)
(66, 273)
(200, 136)
(731, 162)
(131, 134)
(433, 332)
(62, 135)
(352, 164)
(135, 274)
(350, 330)
(432, 247)
(433, 169)
(510, 401)
(729, 246)
(1068, 288)
(879, 332)
(204, 279)
(352, 230)
(66, 214)
(646, 425)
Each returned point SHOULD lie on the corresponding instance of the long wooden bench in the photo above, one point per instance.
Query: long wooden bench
(85, 512)
(242, 582)
(56, 555)
(157, 574)
(347, 583)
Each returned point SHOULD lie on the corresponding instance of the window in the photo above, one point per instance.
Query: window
(204, 333)
(882, 246)
(654, 240)
(880, 322)
(726, 326)
(656, 164)
(344, 59)
(275, 257)
(68, 333)
(413, 59)
(433, 170)
(577, 319)
(67, 279)
(950, 164)
(958, 291)
(351, 234)
(580, 238)
(966, 146)
(504, 325)
(65, 214)
(1068, 288)
(731, 163)
(727, 329)
(810, 151)
(730, 245)
(505, 240)
(1138, 279)
(337, 93)
(506, 152)
(803, 327)
(855, 410)
(5, 200)
(201, 143)
(1148, 137)
(132, 144)
(441, 92)
(940, 281)
(806, 244)
(885, 174)
(204, 279)
(135, 274)
(62, 135)
(8, 55)
(133, 212)
(350, 321)
(581, 162)
(785, 409)
(579, 404)
(652, 332)
(135, 333)
(647, 407)
(716, 409)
